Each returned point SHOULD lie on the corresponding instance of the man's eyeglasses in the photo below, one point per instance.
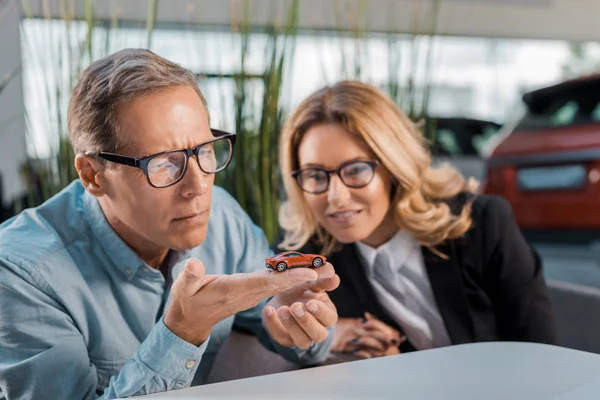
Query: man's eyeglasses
(167, 168)
(354, 174)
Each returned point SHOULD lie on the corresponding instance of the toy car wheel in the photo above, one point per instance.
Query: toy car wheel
(317, 262)
(281, 266)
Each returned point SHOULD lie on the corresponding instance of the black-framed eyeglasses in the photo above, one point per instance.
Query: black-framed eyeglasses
(354, 174)
(167, 168)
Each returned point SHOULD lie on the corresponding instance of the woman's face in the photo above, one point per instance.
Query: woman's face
(348, 214)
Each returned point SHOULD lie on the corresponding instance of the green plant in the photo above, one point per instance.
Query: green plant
(409, 60)
(259, 105)
(253, 178)
(65, 55)
(69, 46)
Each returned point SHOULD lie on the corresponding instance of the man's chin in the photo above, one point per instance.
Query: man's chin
(187, 241)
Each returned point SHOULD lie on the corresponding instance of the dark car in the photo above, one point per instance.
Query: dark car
(460, 142)
(548, 165)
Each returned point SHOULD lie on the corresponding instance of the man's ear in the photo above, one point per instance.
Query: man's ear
(90, 172)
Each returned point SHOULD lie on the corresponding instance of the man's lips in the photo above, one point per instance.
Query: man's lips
(191, 216)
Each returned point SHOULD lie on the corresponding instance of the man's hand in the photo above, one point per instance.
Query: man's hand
(200, 301)
(300, 315)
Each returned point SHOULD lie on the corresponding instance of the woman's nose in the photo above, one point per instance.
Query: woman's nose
(338, 193)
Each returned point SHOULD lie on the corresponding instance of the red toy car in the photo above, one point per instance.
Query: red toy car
(294, 259)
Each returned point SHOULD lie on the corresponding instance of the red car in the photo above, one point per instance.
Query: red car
(294, 259)
(548, 164)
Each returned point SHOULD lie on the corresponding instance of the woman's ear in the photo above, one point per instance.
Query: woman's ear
(89, 170)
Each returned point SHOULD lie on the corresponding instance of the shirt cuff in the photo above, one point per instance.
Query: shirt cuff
(170, 356)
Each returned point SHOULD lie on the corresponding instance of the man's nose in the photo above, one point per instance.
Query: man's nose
(338, 193)
(195, 181)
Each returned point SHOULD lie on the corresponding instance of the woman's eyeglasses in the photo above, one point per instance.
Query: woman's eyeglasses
(354, 174)
(167, 168)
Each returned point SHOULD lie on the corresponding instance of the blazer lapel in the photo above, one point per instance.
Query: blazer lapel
(355, 278)
(447, 287)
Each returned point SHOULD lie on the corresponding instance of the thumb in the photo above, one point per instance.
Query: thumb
(193, 277)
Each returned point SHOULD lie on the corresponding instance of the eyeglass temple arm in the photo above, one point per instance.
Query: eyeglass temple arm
(133, 162)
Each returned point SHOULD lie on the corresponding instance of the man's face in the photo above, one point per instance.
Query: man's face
(175, 217)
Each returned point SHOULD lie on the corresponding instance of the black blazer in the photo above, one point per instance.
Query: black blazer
(491, 287)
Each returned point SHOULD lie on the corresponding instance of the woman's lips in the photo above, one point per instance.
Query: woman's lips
(345, 217)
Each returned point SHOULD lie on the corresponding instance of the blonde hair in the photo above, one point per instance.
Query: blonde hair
(417, 206)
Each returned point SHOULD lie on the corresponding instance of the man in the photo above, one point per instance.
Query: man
(121, 284)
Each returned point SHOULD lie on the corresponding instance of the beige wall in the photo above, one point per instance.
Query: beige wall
(12, 116)
(575, 20)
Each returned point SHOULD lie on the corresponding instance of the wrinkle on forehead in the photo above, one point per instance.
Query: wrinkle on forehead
(169, 119)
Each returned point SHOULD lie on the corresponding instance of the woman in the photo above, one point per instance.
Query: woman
(420, 255)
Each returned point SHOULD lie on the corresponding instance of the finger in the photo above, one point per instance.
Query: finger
(325, 284)
(374, 324)
(275, 327)
(299, 337)
(387, 340)
(270, 283)
(309, 324)
(345, 346)
(369, 316)
(362, 353)
(369, 343)
(281, 281)
(374, 353)
(392, 350)
(326, 316)
(193, 278)
(322, 296)
(325, 271)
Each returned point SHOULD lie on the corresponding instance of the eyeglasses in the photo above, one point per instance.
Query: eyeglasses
(354, 174)
(167, 168)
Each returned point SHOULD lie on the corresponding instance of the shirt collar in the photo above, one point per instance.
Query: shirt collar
(122, 256)
(397, 250)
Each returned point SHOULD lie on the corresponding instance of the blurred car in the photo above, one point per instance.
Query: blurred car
(548, 164)
(294, 259)
(460, 142)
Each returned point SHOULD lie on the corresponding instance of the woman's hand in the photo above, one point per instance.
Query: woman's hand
(300, 316)
(366, 337)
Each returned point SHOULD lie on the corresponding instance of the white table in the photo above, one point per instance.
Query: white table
(472, 371)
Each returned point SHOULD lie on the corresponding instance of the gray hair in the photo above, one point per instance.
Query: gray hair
(121, 77)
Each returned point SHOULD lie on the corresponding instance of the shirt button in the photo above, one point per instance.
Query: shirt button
(190, 364)
(128, 271)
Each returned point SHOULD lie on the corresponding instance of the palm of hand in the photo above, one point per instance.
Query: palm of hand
(304, 292)
(300, 294)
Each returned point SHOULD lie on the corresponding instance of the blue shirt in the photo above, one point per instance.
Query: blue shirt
(81, 315)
